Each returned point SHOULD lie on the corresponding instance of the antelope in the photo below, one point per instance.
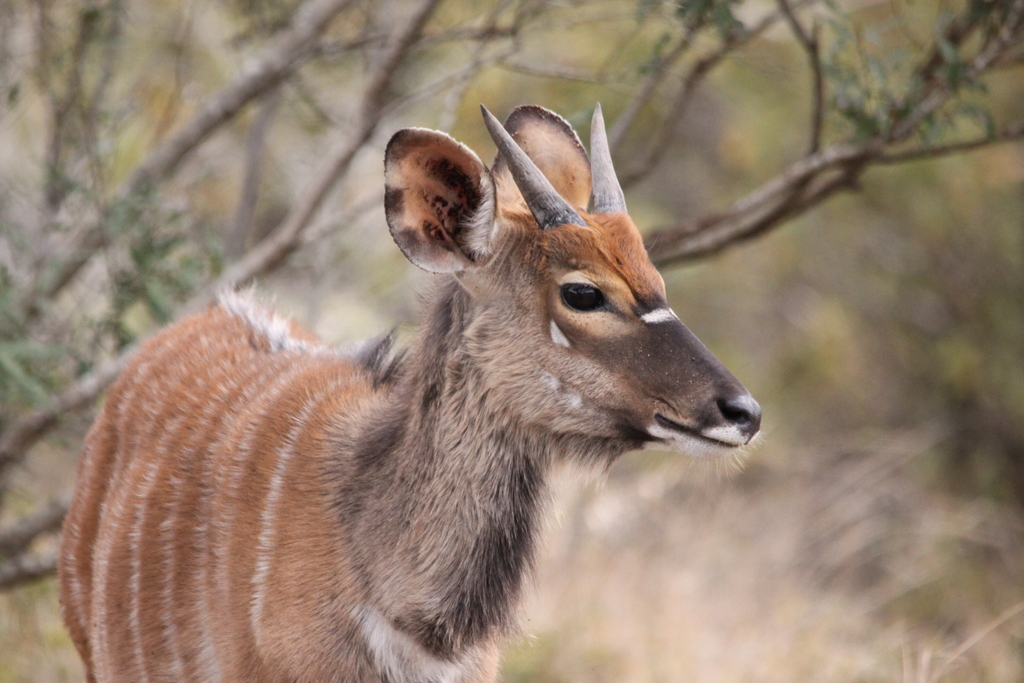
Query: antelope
(254, 505)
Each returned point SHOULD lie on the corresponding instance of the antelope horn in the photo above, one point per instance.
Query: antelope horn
(546, 205)
(606, 193)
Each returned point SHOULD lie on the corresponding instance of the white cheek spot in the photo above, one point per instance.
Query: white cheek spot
(554, 384)
(659, 315)
(558, 336)
(550, 381)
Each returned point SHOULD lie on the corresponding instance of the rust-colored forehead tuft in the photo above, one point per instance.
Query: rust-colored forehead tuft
(609, 242)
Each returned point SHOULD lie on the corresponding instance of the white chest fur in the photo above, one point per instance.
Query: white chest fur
(404, 660)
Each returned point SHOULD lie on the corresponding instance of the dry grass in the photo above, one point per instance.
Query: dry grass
(34, 647)
(841, 569)
(808, 566)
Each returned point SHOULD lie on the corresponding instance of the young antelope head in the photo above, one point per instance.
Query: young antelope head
(570, 328)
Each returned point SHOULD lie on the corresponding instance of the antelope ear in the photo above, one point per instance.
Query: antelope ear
(553, 146)
(439, 200)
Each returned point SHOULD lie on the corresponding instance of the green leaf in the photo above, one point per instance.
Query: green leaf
(833, 7)
(948, 51)
(13, 371)
(657, 54)
(158, 301)
(724, 20)
(644, 9)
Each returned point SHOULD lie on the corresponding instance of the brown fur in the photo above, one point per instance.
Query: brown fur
(254, 506)
(144, 466)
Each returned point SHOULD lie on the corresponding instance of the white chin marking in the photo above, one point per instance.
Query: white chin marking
(659, 315)
(558, 336)
(672, 440)
(730, 435)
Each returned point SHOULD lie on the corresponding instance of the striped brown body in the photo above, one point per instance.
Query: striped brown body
(255, 506)
(191, 481)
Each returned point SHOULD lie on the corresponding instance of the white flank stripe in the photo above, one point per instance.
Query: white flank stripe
(241, 458)
(167, 597)
(73, 533)
(112, 511)
(659, 315)
(206, 662)
(135, 542)
(167, 528)
(265, 545)
(255, 380)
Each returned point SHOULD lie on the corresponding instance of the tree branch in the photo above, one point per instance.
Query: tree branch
(937, 91)
(647, 89)
(820, 174)
(294, 46)
(749, 218)
(23, 432)
(694, 77)
(290, 49)
(271, 251)
(476, 61)
(1012, 132)
(241, 222)
(55, 185)
(809, 42)
(456, 80)
(20, 535)
(25, 568)
(557, 71)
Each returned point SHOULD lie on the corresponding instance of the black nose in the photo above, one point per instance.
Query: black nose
(743, 412)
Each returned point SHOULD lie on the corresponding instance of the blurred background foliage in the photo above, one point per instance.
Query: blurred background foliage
(152, 153)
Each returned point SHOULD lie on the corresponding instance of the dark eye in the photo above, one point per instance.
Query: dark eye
(582, 297)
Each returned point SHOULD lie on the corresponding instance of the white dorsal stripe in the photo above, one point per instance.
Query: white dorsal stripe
(659, 315)
(558, 336)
